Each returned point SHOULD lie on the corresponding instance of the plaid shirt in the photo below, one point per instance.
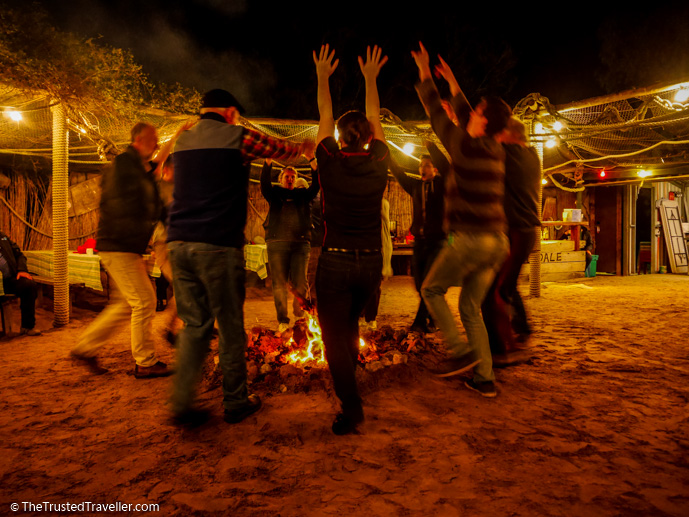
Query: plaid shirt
(257, 145)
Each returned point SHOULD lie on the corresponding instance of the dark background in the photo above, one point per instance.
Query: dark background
(261, 51)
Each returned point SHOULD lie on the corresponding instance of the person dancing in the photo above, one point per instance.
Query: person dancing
(475, 219)
(353, 179)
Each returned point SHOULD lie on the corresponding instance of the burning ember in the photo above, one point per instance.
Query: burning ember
(303, 347)
(295, 360)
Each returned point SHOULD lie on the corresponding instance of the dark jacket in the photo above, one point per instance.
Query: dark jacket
(130, 205)
(522, 186)
(278, 196)
(428, 214)
(13, 255)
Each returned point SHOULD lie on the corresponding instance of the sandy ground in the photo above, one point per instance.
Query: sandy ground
(595, 424)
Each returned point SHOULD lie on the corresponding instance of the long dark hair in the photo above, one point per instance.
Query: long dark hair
(355, 130)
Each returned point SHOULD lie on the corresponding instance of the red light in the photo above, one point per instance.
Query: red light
(602, 173)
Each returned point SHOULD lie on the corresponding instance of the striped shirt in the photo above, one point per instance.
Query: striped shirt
(475, 187)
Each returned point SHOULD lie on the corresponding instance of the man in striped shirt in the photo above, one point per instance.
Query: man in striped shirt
(474, 218)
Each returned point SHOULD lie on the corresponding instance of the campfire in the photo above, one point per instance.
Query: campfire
(295, 360)
(303, 347)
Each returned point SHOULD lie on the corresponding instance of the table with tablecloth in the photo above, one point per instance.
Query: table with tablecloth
(256, 257)
(83, 269)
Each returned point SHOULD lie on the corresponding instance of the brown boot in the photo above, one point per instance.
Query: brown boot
(159, 369)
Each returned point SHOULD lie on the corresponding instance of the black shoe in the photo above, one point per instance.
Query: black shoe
(234, 416)
(456, 365)
(90, 362)
(344, 424)
(486, 389)
(159, 369)
(419, 329)
(511, 358)
(190, 418)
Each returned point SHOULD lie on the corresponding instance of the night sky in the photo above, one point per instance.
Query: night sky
(261, 51)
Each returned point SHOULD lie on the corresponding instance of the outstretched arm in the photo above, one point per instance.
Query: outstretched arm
(423, 62)
(164, 151)
(438, 158)
(459, 101)
(315, 184)
(405, 181)
(266, 184)
(428, 93)
(370, 69)
(325, 66)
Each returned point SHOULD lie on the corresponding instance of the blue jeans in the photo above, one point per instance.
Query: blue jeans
(288, 261)
(208, 281)
(469, 260)
(344, 283)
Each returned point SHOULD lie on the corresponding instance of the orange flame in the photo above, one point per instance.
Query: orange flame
(315, 351)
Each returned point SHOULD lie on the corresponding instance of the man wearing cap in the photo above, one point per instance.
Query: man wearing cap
(205, 242)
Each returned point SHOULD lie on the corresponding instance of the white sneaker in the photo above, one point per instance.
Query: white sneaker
(282, 327)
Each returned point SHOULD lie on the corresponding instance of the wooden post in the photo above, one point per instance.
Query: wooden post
(60, 214)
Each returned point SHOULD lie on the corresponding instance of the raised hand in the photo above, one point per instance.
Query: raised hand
(422, 61)
(443, 70)
(374, 62)
(325, 65)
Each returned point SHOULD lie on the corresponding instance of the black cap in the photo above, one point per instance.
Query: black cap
(220, 99)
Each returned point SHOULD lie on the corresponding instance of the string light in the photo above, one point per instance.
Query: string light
(558, 126)
(644, 173)
(682, 95)
(14, 115)
(551, 143)
(544, 181)
(408, 148)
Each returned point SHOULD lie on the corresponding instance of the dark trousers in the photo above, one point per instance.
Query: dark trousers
(314, 255)
(503, 308)
(26, 290)
(345, 283)
(425, 253)
(161, 288)
(288, 261)
(371, 309)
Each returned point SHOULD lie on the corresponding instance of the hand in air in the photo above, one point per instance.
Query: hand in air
(325, 65)
(422, 61)
(374, 61)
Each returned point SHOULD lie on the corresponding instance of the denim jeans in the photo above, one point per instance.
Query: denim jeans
(469, 260)
(132, 299)
(209, 285)
(288, 261)
(344, 283)
(503, 309)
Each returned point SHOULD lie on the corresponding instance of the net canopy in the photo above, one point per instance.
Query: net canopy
(623, 134)
(633, 135)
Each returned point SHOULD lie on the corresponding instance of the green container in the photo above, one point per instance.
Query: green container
(591, 269)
